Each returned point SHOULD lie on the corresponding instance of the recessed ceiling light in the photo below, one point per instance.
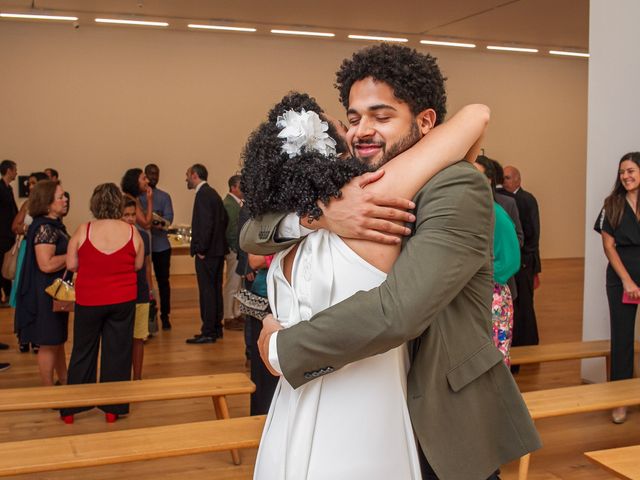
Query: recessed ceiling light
(38, 17)
(379, 39)
(221, 27)
(512, 49)
(568, 54)
(302, 32)
(118, 21)
(448, 44)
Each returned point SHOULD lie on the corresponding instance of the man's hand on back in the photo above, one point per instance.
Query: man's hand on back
(366, 216)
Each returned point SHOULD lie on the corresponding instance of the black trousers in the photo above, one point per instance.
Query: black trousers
(209, 275)
(622, 317)
(248, 326)
(429, 474)
(161, 267)
(265, 382)
(525, 325)
(111, 325)
(5, 283)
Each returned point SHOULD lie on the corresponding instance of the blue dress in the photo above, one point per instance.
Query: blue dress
(36, 321)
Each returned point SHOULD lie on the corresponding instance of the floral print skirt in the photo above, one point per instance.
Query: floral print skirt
(502, 319)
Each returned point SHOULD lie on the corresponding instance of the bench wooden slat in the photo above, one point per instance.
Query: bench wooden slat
(125, 392)
(579, 399)
(561, 351)
(582, 398)
(623, 462)
(74, 451)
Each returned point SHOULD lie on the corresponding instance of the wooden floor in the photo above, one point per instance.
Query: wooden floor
(559, 309)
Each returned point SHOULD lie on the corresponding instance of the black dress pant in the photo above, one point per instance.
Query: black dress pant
(5, 283)
(209, 275)
(111, 325)
(265, 382)
(622, 317)
(161, 267)
(525, 325)
(248, 335)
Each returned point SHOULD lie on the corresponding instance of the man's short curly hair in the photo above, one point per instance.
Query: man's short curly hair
(274, 182)
(414, 77)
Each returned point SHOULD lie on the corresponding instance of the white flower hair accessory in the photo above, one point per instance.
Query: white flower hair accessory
(305, 129)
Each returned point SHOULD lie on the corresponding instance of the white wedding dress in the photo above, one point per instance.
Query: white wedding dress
(352, 424)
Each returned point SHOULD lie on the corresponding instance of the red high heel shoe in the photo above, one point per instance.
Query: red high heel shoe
(111, 417)
(68, 419)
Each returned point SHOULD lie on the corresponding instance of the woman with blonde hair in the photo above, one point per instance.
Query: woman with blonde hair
(106, 253)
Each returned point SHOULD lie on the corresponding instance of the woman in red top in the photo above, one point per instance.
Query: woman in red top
(106, 253)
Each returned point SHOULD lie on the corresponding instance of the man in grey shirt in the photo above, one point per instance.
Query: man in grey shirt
(160, 246)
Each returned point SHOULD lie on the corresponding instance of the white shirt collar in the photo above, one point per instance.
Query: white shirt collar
(199, 186)
(236, 198)
(516, 190)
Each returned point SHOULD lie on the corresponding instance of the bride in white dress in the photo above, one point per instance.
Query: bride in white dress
(354, 423)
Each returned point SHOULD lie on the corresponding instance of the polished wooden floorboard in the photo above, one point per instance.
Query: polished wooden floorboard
(559, 309)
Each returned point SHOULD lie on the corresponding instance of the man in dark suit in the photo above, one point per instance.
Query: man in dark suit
(208, 246)
(525, 327)
(8, 211)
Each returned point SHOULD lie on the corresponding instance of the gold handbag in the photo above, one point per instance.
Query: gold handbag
(62, 290)
(63, 294)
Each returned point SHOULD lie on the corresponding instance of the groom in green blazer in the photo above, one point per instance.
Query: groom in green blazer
(467, 412)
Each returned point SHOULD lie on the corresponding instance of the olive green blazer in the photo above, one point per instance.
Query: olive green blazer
(233, 212)
(467, 412)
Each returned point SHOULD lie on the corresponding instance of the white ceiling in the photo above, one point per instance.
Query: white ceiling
(552, 23)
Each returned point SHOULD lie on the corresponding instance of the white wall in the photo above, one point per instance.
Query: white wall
(95, 101)
(613, 130)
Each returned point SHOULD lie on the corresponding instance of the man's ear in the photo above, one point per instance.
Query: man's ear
(426, 120)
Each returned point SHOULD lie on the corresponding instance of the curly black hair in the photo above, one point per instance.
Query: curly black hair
(129, 182)
(414, 77)
(274, 182)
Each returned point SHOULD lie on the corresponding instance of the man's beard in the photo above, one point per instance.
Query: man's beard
(397, 148)
(401, 145)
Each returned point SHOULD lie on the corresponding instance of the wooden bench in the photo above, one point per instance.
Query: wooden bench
(563, 351)
(88, 450)
(214, 386)
(623, 462)
(579, 399)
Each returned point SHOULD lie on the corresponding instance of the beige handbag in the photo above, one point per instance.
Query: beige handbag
(10, 260)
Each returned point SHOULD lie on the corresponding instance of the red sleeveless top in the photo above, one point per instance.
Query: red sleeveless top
(105, 279)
